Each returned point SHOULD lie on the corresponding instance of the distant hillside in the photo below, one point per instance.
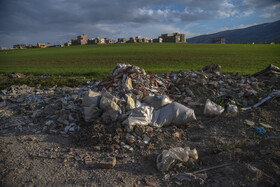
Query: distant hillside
(263, 33)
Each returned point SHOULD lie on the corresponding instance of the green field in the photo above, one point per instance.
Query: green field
(98, 60)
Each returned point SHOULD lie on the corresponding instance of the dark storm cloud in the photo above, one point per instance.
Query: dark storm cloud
(64, 14)
(72, 16)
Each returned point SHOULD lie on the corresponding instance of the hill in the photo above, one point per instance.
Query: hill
(258, 34)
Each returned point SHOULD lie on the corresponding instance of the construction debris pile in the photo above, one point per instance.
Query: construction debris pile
(135, 102)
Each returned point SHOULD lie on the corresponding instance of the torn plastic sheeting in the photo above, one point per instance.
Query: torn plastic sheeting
(174, 113)
(212, 109)
(166, 160)
(272, 95)
(140, 116)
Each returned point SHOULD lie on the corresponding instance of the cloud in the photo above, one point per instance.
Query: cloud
(271, 15)
(61, 18)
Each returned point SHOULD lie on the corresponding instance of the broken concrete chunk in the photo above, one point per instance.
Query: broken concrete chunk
(130, 104)
(108, 163)
(128, 84)
(146, 139)
(166, 160)
(130, 138)
(212, 109)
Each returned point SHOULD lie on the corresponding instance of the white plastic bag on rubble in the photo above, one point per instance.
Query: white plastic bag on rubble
(212, 109)
(90, 106)
(139, 116)
(167, 159)
(157, 101)
(109, 103)
(174, 113)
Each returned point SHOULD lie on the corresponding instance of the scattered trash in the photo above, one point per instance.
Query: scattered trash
(249, 123)
(271, 96)
(191, 177)
(174, 113)
(232, 108)
(157, 101)
(266, 125)
(212, 109)
(260, 130)
(166, 160)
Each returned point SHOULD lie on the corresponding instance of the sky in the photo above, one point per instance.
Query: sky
(58, 21)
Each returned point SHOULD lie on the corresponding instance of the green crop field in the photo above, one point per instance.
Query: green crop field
(98, 60)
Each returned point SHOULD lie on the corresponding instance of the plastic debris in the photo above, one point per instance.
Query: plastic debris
(249, 123)
(174, 113)
(166, 160)
(266, 125)
(260, 130)
(232, 108)
(109, 104)
(271, 96)
(212, 109)
(157, 101)
(139, 116)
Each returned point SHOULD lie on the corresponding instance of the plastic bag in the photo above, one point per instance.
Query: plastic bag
(139, 116)
(90, 105)
(157, 101)
(174, 113)
(90, 98)
(212, 109)
(109, 104)
(166, 160)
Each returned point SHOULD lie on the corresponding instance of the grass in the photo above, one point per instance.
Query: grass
(98, 60)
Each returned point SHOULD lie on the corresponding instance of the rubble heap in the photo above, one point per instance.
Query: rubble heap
(132, 94)
(129, 77)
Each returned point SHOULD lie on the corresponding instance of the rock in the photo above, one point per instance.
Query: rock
(139, 130)
(130, 104)
(130, 138)
(108, 163)
(66, 128)
(128, 84)
(146, 139)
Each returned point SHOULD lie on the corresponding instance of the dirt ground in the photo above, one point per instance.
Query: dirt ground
(246, 159)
